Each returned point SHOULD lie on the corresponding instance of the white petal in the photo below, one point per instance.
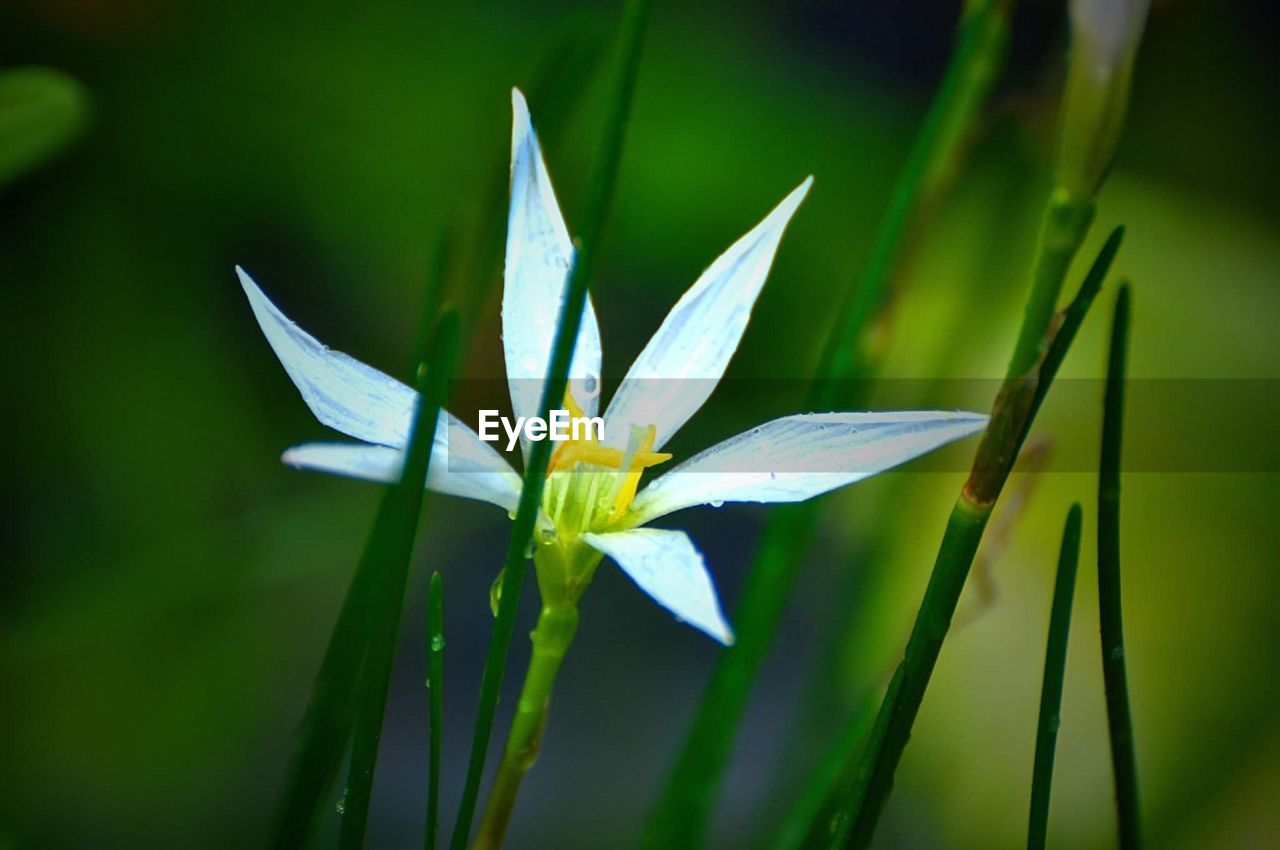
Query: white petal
(539, 254)
(342, 392)
(461, 465)
(669, 568)
(798, 457)
(685, 359)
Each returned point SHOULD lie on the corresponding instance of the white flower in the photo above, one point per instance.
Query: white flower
(1104, 43)
(1108, 30)
(590, 504)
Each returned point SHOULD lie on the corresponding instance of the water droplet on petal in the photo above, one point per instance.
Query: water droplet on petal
(716, 503)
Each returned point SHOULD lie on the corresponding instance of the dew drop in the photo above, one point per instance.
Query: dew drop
(773, 476)
(437, 643)
(341, 806)
(591, 384)
(1117, 652)
(717, 503)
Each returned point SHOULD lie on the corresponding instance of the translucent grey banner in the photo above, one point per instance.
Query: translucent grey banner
(1171, 424)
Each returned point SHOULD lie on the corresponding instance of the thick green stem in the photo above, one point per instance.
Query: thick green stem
(1066, 221)
(902, 700)
(551, 639)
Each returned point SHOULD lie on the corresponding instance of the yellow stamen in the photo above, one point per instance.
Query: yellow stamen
(627, 491)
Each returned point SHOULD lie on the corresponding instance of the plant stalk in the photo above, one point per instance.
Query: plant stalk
(551, 639)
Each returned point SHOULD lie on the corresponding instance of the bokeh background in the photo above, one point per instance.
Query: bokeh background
(168, 585)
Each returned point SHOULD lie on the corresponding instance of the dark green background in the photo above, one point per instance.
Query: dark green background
(169, 585)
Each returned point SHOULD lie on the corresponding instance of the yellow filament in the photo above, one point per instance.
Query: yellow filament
(589, 451)
(631, 480)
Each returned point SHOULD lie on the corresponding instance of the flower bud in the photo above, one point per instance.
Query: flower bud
(1104, 41)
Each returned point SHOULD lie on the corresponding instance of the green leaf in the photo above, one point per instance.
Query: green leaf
(41, 111)
(1055, 665)
(599, 198)
(1119, 720)
(353, 675)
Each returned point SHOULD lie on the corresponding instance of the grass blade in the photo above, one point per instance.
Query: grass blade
(683, 809)
(363, 641)
(435, 693)
(820, 799)
(599, 198)
(1055, 664)
(1119, 720)
(1011, 419)
(382, 613)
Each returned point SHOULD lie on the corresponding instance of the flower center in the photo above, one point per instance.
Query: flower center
(590, 487)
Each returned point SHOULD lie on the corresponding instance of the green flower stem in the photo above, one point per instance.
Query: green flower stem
(1119, 720)
(1011, 419)
(1066, 222)
(1055, 663)
(551, 639)
(599, 198)
(682, 812)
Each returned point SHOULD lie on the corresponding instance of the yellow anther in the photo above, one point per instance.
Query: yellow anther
(639, 462)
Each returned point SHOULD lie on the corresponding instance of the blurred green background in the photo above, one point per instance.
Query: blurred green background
(169, 585)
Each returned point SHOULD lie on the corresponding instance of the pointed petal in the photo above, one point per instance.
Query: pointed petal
(798, 457)
(342, 392)
(461, 465)
(669, 568)
(539, 254)
(685, 359)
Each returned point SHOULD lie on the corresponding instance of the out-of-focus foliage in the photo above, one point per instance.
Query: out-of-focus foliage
(41, 110)
(169, 585)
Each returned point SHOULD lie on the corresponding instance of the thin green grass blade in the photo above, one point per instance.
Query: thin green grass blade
(554, 91)
(1119, 719)
(808, 819)
(41, 111)
(683, 809)
(1055, 665)
(435, 693)
(363, 641)
(599, 199)
(382, 614)
(1012, 417)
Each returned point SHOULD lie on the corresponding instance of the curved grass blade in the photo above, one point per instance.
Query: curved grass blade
(435, 693)
(1119, 719)
(363, 641)
(599, 198)
(1011, 419)
(1055, 664)
(683, 809)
